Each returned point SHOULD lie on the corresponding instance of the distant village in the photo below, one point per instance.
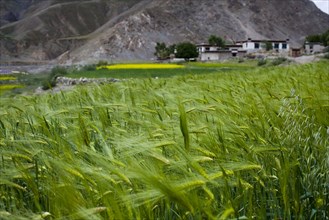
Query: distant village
(251, 47)
(216, 49)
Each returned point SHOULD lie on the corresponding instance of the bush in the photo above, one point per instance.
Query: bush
(50, 82)
(102, 63)
(58, 71)
(262, 62)
(278, 61)
(90, 67)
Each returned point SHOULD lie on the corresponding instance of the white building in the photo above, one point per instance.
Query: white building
(313, 47)
(209, 52)
(207, 48)
(254, 46)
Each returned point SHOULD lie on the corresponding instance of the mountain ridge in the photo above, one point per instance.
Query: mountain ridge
(86, 31)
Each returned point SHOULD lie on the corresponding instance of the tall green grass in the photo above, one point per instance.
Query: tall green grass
(251, 145)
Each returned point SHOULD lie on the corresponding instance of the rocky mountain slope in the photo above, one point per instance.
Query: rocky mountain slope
(91, 30)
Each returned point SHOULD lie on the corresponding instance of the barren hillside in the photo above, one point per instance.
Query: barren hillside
(89, 30)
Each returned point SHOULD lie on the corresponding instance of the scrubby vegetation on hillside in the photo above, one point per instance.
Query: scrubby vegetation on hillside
(251, 145)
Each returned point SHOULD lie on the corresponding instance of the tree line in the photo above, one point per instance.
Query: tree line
(185, 50)
(319, 38)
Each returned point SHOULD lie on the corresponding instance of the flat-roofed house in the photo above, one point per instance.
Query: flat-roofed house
(209, 52)
(313, 47)
(254, 46)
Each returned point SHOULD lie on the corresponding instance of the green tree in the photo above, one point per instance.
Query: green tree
(171, 49)
(268, 46)
(186, 50)
(321, 38)
(216, 41)
(161, 51)
(313, 38)
(325, 38)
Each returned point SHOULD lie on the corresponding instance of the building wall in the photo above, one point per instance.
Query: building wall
(250, 47)
(209, 56)
(203, 49)
(313, 48)
(222, 55)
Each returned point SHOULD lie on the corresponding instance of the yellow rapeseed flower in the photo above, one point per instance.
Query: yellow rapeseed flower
(3, 78)
(9, 86)
(142, 66)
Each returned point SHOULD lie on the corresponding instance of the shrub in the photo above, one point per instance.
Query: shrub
(50, 82)
(90, 67)
(102, 63)
(58, 71)
(262, 62)
(278, 61)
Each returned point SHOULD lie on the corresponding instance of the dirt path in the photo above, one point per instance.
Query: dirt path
(32, 69)
(306, 59)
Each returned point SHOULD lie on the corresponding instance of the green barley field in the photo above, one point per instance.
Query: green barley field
(250, 144)
(147, 71)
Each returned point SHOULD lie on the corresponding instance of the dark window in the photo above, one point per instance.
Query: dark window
(284, 46)
(276, 46)
(207, 48)
(256, 45)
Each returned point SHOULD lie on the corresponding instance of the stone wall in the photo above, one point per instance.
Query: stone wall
(65, 81)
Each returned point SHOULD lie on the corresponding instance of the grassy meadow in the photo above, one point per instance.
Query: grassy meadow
(251, 144)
